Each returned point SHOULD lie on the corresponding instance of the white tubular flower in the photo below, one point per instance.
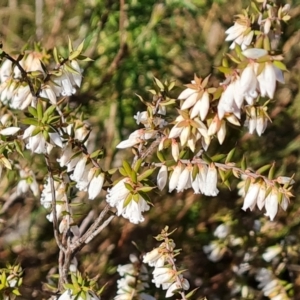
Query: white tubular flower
(175, 150)
(271, 252)
(95, 186)
(201, 107)
(271, 204)
(27, 182)
(210, 188)
(9, 131)
(267, 81)
(251, 196)
(22, 97)
(162, 177)
(176, 130)
(184, 180)
(248, 84)
(48, 92)
(37, 143)
(116, 197)
(227, 103)
(5, 70)
(221, 134)
(134, 281)
(163, 275)
(175, 286)
(215, 251)
(222, 231)
(175, 177)
(67, 295)
(133, 210)
(236, 33)
(137, 137)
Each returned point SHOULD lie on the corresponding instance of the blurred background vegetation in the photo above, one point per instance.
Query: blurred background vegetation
(130, 42)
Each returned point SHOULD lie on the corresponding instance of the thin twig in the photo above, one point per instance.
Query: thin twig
(82, 241)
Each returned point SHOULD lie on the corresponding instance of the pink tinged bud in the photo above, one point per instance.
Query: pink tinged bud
(162, 177)
(175, 150)
(175, 178)
(251, 196)
(214, 126)
(271, 205)
(222, 132)
(191, 144)
(190, 101)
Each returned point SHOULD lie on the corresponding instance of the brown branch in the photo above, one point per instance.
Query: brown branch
(90, 233)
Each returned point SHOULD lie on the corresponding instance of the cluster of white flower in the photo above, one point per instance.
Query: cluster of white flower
(272, 287)
(60, 197)
(260, 194)
(126, 204)
(165, 273)
(27, 182)
(87, 176)
(217, 248)
(68, 295)
(40, 141)
(134, 281)
(15, 91)
(202, 178)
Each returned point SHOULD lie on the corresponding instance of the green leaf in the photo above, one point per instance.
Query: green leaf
(280, 65)
(127, 200)
(32, 111)
(80, 46)
(191, 293)
(39, 108)
(127, 167)
(123, 172)
(74, 54)
(159, 84)
(55, 55)
(160, 156)
(30, 121)
(145, 174)
(218, 157)
(263, 169)
(129, 187)
(271, 171)
(137, 165)
(146, 189)
(229, 156)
